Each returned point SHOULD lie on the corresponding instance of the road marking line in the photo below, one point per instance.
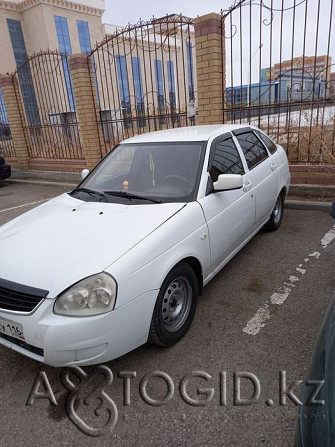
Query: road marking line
(328, 237)
(300, 270)
(258, 320)
(263, 314)
(20, 206)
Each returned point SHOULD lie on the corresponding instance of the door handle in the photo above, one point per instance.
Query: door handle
(247, 185)
(274, 166)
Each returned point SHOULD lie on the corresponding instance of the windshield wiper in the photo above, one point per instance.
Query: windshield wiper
(91, 192)
(129, 195)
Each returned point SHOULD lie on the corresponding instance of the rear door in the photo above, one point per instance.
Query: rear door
(230, 215)
(262, 172)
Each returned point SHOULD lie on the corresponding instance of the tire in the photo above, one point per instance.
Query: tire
(276, 216)
(175, 306)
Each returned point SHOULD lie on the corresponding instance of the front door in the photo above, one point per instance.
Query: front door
(230, 215)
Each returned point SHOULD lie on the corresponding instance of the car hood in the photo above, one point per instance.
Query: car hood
(64, 240)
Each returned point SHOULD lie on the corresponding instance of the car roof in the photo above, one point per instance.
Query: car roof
(192, 133)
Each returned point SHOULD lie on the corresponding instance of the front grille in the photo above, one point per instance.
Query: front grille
(10, 300)
(23, 344)
(18, 297)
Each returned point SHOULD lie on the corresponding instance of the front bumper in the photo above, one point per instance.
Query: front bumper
(63, 341)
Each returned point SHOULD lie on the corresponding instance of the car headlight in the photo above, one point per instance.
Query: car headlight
(92, 296)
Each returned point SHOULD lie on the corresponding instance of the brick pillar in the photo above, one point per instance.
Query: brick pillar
(86, 107)
(16, 117)
(211, 69)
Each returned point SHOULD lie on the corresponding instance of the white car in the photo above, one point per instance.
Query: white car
(94, 273)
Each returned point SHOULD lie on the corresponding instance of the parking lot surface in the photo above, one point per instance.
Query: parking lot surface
(223, 384)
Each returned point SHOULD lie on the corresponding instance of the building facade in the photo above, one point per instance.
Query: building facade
(146, 75)
(332, 84)
(143, 77)
(312, 66)
(29, 26)
(296, 80)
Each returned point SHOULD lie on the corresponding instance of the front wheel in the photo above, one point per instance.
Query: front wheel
(276, 216)
(175, 306)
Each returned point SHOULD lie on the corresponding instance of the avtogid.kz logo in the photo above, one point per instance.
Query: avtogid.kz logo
(86, 393)
(91, 388)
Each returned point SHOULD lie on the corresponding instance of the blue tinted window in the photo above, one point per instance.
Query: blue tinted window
(24, 74)
(190, 69)
(138, 87)
(63, 35)
(137, 79)
(123, 83)
(4, 124)
(86, 48)
(84, 37)
(3, 113)
(171, 83)
(17, 39)
(64, 45)
(159, 84)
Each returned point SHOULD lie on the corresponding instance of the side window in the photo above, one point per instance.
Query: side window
(226, 159)
(254, 151)
(268, 142)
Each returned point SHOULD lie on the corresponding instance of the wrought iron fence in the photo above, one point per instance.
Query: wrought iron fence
(43, 83)
(6, 142)
(144, 77)
(280, 75)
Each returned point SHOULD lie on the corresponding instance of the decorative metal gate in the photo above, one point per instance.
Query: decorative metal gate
(44, 88)
(144, 78)
(280, 75)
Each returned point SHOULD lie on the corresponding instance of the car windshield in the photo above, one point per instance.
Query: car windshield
(146, 173)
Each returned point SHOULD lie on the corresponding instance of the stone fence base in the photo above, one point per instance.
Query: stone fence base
(313, 175)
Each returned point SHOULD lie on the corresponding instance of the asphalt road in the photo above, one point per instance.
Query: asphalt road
(260, 315)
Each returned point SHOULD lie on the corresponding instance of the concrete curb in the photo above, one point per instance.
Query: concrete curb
(48, 176)
(307, 205)
(42, 183)
(312, 190)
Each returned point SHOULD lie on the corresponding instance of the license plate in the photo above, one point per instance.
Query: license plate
(11, 328)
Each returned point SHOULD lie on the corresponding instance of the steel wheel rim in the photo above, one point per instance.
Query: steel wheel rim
(277, 210)
(176, 303)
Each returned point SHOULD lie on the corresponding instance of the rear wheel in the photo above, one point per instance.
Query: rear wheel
(175, 306)
(277, 215)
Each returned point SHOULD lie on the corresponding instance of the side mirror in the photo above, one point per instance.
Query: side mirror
(84, 173)
(226, 182)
